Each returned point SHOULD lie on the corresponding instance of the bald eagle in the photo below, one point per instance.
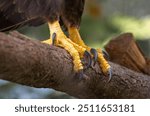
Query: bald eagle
(17, 13)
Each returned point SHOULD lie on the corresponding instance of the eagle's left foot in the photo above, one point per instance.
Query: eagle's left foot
(98, 54)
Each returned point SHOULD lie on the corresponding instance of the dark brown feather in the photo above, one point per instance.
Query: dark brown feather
(16, 13)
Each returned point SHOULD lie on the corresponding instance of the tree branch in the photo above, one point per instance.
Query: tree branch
(31, 63)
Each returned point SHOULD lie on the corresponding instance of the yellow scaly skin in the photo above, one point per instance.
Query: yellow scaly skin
(75, 46)
(66, 43)
(76, 38)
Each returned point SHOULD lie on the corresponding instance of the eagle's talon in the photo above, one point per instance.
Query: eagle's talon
(105, 54)
(54, 35)
(95, 55)
(89, 59)
(109, 74)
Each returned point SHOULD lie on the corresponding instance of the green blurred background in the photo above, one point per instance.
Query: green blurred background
(102, 20)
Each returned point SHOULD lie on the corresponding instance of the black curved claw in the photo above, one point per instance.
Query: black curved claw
(105, 54)
(89, 59)
(109, 74)
(53, 38)
(95, 55)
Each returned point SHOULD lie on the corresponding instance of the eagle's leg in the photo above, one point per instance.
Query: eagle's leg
(75, 37)
(62, 41)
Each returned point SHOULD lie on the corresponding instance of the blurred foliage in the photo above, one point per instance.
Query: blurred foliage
(139, 27)
(96, 30)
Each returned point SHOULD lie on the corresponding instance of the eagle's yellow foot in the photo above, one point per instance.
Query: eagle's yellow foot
(58, 38)
(97, 54)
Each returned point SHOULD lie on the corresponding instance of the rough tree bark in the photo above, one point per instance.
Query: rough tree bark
(125, 51)
(32, 63)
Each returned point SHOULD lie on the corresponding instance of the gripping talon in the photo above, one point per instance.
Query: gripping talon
(105, 54)
(53, 38)
(89, 59)
(95, 55)
(109, 74)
